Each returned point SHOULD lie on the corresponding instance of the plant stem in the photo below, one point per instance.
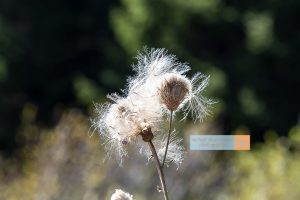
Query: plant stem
(168, 140)
(159, 170)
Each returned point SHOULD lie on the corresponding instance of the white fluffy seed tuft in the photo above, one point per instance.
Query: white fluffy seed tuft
(121, 195)
(175, 153)
(159, 85)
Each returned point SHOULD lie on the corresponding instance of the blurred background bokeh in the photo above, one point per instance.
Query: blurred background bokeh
(58, 57)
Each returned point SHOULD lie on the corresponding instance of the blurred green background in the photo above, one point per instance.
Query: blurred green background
(61, 55)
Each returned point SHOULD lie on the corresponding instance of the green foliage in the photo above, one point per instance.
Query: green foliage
(65, 163)
(86, 91)
(259, 29)
(269, 171)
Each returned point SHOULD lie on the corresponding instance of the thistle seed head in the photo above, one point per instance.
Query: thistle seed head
(173, 90)
(160, 82)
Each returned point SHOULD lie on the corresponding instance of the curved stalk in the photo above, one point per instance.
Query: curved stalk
(168, 140)
(159, 170)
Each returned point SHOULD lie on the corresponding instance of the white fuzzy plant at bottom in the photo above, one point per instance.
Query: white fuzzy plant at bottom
(121, 195)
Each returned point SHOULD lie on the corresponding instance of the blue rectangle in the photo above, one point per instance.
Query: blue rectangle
(212, 142)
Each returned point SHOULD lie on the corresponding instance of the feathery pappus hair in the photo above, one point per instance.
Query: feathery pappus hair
(162, 77)
(175, 153)
(159, 85)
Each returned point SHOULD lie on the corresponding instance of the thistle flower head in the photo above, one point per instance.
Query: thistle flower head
(161, 77)
(173, 90)
(122, 121)
(121, 195)
(151, 66)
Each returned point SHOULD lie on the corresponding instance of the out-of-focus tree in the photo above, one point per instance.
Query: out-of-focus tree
(64, 163)
(58, 54)
(54, 54)
(249, 48)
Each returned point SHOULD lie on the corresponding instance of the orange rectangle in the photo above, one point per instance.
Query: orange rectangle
(242, 142)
